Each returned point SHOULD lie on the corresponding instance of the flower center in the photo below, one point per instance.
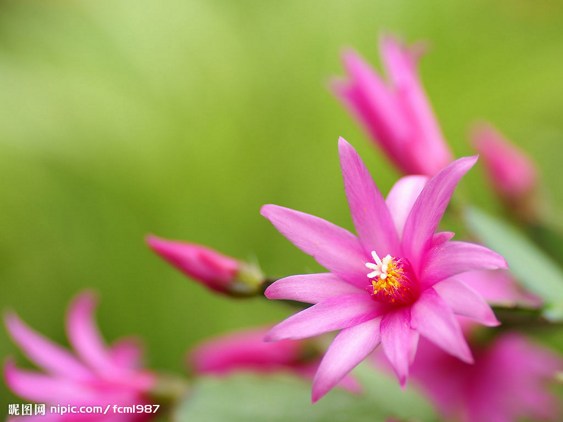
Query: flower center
(391, 281)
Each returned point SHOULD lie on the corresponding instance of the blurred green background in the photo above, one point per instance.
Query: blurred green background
(181, 118)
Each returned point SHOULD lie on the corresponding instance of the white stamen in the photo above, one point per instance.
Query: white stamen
(376, 257)
(380, 267)
(374, 274)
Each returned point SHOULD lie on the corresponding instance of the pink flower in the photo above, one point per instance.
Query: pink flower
(511, 172)
(500, 288)
(396, 115)
(247, 351)
(392, 283)
(214, 270)
(94, 375)
(506, 383)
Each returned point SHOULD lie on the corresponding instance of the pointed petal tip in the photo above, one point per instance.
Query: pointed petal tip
(344, 145)
(14, 324)
(388, 38)
(9, 368)
(493, 322)
(403, 382)
(465, 354)
(468, 358)
(468, 161)
(9, 317)
(348, 56)
(339, 87)
(86, 299)
(158, 244)
(155, 242)
(318, 391)
(149, 238)
(267, 210)
(315, 397)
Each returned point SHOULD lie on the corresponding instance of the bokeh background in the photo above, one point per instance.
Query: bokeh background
(182, 117)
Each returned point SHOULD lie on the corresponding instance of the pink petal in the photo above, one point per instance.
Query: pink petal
(433, 318)
(429, 208)
(441, 237)
(510, 170)
(309, 288)
(43, 352)
(329, 315)
(376, 102)
(347, 350)
(85, 337)
(499, 288)
(452, 258)
(215, 270)
(401, 61)
(402, 197)
(42, 388)
(466, 302)
(427, 149)
(371, 217)
(399, 341)
(387, 135)
(333, 247)
(245, 350)
(126, 353)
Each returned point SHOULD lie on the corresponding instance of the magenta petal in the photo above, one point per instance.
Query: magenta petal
(213, 269)
(245, 350)
(333, 247)
(376, 104)
(43, 388)
(430, 206)
(466, 302)
(452, 258)
(511, 172)
(85, 337)
(126, 353)
(429, 150)
(329, 315)
(399, 341)
(402, 197)
(309, 288)
(499, 288)
(433, 318)
(371, 217)
(347, 350)
(441, 237)
(43, 352)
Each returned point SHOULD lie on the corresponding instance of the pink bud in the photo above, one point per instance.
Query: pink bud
(214, 270)
(511, 172)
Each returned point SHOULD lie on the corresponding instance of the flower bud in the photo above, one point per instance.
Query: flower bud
(511, 173)
(214, 270)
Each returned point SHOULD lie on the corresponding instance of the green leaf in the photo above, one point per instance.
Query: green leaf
(531, 267)
(282, 398)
